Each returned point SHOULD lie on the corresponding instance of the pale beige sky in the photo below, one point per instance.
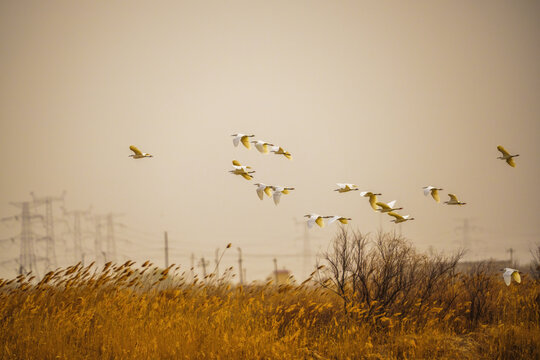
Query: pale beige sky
(390, 95)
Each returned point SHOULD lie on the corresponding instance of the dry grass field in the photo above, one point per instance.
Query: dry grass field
(371, 299)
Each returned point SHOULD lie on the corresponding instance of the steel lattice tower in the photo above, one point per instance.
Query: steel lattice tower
(50, 251)
(111, 243)
(100, 259)
(27, 256)
(77, 233)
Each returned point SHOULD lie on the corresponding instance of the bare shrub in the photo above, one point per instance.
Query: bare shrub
(387, 276)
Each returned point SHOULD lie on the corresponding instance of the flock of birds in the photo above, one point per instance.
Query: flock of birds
(389, 208)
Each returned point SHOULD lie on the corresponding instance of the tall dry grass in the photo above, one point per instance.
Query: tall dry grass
(142, 312)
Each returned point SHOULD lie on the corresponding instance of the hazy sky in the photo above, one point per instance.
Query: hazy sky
(390, 95)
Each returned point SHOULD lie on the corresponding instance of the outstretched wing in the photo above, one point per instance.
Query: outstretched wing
(320, 221)
(260, 192)
(383, 205)
(332, 219)
(435, 195)
(426, 190)
(516, 277)
(246, 176)
(236, 163)
(396, 215)
(236, 140)
(503, 150)
(259, 146)
(288, 155)
(453, 197)
(245, 141)
(277, 197)
(268, 191)
(135, 150)
(507, 277)
(511, 162)
(343, 220)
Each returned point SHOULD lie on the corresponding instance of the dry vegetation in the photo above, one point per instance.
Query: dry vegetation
(372, 299)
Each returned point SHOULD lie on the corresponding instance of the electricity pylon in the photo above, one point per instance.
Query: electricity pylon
(27, 256)
(77, 233)
(50, 252)
(99, 255)
(466, 230)
(109, 254)
(110, 238)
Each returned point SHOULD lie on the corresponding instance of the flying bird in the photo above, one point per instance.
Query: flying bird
(434, 192)
(314, 219)
(346, 187)
(262, 146)
(386, 208)
(453, 200)
(372, 198)
(263, 189)
(510, 274)
(278, 190)
(506, 156)
(138, 154)
(241, 170)
(278, 150)
(333, 218)
(242, 138)
(398, 218)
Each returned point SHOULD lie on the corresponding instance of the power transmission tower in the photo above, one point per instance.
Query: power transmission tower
(111, 243)
(466, 229)
(27, 256)
(99, 256)
(511, 251)
(110, 253)
(77, 233)
(50, 251)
